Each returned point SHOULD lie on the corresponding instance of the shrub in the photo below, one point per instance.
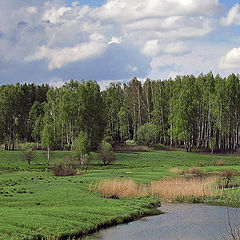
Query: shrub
(131, 142)
(27, 152)
(195, 170)
(146, 134)
(218, 163)
(228, 175)
(106, 154)
(177, 170)
(65, 167)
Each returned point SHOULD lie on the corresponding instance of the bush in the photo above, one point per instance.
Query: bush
(218, 163)
(228, 175)
(130, 142)
(194, 170)
(27, 152)
(177, 170)
(146, 134)
(106, 154)
(65, 167)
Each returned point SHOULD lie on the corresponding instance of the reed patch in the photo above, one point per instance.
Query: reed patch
(167, 189)
(115, 188)
(172, 188)
(177, 170)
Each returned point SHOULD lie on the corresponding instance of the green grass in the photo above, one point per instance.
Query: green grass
(35, 204)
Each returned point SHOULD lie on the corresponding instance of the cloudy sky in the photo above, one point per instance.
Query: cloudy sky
(115, 40)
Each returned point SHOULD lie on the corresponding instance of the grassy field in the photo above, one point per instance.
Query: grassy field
(35, 204)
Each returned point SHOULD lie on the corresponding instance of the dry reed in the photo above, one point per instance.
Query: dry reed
(177, 170)
(172, 188)
(194, 170)
(120, 188)
(218, 163)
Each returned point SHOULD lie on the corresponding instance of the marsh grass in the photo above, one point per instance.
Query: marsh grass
(195, 170)
(167, 189)
(192, 171)
(120, 188)
(172, 188)
(218, 163)
(177, 170)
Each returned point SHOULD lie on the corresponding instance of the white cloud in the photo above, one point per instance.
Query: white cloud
(132, 68)
(155, 47)
(55, 15)
(74, 4)
(152, 48)
(32, 10)
(128, 10)
(233, 17)
(56, 82)
(62, 34)
(192, 63)
(59, 57)
(115, 40)
(231, 60)
(173, 74)
(104, 84)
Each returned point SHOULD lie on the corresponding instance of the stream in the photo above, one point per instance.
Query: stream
(180, 222)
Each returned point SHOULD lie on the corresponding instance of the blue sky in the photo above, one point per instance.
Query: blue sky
(114, 40)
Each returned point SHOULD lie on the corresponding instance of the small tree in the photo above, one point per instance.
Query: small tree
(48, 139)
(106, 154)
(81, 147)
(27, 152)
(146, 134)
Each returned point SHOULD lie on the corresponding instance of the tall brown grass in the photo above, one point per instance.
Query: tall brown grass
(167, 189)
(172, 188)
(120, 188)
(218, 163)
(194, 170)
(177, 170)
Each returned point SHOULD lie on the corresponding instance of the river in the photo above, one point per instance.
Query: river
(180, 222)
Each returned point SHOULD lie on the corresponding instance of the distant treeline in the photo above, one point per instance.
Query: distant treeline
(201, 112)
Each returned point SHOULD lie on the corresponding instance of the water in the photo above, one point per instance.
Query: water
(181, 222)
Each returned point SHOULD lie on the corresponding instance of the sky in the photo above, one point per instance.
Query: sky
(114, 40)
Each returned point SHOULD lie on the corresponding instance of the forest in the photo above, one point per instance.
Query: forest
(200, 112)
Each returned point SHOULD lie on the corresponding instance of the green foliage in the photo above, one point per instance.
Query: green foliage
(146, 134)
(81, 148)
(47, 139)
(48, 136)
(27, 152)
(195, 112)
(113, 98)
(106, 154)
(130, 142)
(36, 117)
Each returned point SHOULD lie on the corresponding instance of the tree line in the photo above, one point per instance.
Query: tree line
(195, 112)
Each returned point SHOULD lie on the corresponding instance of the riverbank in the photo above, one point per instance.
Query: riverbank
(180, 221)
(35, 204)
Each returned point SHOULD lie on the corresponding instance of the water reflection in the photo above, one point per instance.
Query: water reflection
(181, 221)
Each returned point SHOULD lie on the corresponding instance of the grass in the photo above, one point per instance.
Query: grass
(175, 188)
(34, 203)
(116, 188)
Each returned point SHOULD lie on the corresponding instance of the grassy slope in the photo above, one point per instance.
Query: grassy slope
(35, 203)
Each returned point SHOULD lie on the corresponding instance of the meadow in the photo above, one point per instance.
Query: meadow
(35, 204)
